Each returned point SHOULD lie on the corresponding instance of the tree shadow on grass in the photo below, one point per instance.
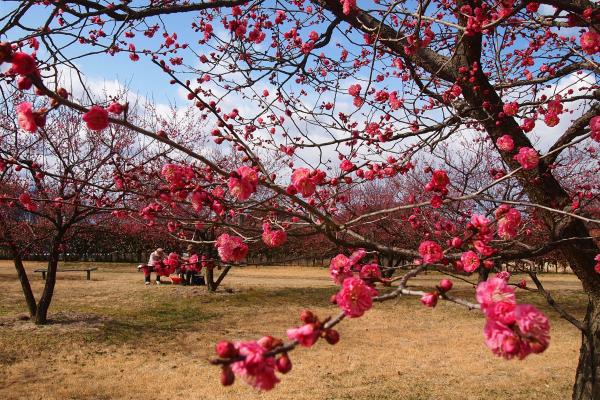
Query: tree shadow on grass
(306, 297)
(165, 320)
(167, 316)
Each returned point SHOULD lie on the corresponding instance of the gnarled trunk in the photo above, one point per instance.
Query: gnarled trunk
(587, 378)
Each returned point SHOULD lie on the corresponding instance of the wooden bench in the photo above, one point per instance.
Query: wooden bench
(88, 271)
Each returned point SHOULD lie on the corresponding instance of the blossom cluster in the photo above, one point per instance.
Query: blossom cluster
(480, 234)
(356, 293)
(511, 329)
(305, 181)
(24, 65)
(177, 175)
(438, 184)
(231, 248)
(27, 202)
(431, 299)
(243, 183)
(273, 237)
(256, 362)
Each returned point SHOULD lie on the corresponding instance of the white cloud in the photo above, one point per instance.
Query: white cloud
(544, 135)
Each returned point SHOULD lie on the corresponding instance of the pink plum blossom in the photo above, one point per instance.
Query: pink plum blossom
(355, 297)
(115, 108)
(26, 117)
(306, 335)
(505, 275)
(370, 272)
(508, 221)
(302, 182)
(502, 340)
(231, 248)
(23, 63)
(431, 252)
(96, 118)
(273, 238)
(256, 369)
(590, 42)
(354, 90)
(527, 157)
(505, 143)
(340, 268)
(470, 261)
(177, 175)
(438, 183)
(510, 109)
(243, 183)
(533, 326)
(348, 6)
(493, 291)
(430, 299)
(595, 128)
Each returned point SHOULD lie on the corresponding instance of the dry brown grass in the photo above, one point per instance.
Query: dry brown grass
(114, 338)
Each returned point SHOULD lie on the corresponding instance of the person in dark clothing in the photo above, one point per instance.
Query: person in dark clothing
(190, 266)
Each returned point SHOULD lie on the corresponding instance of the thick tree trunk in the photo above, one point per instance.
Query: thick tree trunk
(542, 188)
(25, 285)
(41, 316)
(587, 377)
(483, 103)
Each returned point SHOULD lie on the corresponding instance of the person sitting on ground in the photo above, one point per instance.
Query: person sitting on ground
(154, 264)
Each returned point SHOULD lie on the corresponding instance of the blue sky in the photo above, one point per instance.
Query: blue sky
(146, 79)
(142, 76)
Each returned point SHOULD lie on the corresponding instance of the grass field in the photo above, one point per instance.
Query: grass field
(114, 338)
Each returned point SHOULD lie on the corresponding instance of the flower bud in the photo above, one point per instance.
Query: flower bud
(429, 299)
(283, 364)
(456, 242)
(445, 285)
(332, 336)
(5, 52)
(269, 342)
(308, 317)
(62, 92)
(226, 349)
(333, 299)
